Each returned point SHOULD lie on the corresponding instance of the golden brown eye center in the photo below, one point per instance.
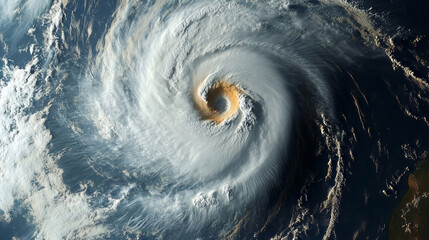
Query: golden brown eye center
(221, 103)
(217, 100)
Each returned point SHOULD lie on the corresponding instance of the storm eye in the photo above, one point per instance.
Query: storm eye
(218, 98)
(220, 103)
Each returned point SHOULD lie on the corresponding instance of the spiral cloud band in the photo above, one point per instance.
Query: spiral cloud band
(202, 94)
(209, 111)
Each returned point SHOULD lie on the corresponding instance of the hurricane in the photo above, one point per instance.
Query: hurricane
(207, 119)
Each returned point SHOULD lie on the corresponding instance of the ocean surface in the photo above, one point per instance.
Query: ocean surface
(214, 119)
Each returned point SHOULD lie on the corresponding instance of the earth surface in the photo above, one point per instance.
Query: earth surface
(185, 119)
